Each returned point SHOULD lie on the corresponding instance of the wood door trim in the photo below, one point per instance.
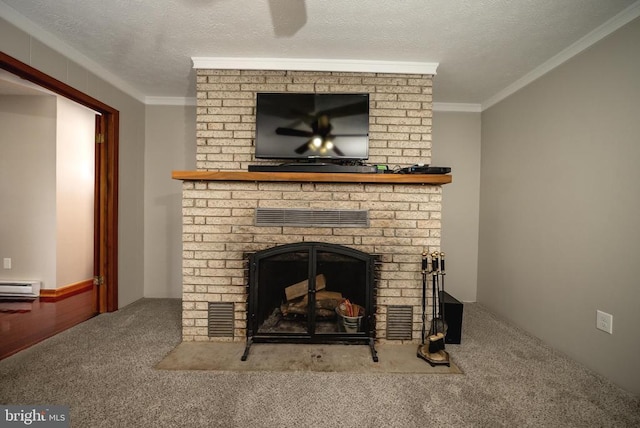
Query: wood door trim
(109, 254)
(66, 291)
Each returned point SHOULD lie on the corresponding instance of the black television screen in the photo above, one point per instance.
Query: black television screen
(312, 126)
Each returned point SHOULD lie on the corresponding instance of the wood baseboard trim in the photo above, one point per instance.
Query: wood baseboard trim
(66, 291)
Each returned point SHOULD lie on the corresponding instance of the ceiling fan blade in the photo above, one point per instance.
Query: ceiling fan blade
(287, 17)
(337, 150)
(303, 148)
(293, 132)
(346, 110)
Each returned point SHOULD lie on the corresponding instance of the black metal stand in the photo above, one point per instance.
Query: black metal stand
(374, 353)
(245, 355)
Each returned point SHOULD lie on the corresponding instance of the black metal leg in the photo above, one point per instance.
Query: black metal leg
(246, 350)
(374, 353)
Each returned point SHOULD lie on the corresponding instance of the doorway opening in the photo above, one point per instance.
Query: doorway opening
(105, 255)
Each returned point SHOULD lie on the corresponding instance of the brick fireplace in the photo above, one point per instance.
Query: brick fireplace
(219, 225)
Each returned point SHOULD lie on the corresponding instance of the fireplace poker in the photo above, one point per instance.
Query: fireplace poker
(434, 289)
(422, 348)
(437, 323)
(425, 269)
(441, 295)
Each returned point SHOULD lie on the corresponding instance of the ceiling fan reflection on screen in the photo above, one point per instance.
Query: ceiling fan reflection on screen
(319, 137)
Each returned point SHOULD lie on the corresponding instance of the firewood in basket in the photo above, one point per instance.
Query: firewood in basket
(302, 288)
(349, 309)
(346, 308)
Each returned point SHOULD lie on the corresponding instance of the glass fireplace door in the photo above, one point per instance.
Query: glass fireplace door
(310, 291)
(340, 306)
(283, 293)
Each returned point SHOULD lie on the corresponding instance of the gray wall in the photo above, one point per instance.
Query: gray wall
(171, 145)
(456, 143)
(28, 188)
(560, 206)
(29, 50)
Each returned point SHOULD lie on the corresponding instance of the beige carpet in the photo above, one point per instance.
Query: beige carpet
(103, 369)
(281, 357)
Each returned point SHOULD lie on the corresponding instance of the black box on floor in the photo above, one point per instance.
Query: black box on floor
(453, 317)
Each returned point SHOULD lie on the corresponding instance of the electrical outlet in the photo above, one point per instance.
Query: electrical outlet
(604, 322)
(6, 263)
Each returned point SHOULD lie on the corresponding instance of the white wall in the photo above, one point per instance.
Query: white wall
(560, 207)
(30, 50)
(456, 143)
(75, 166)
(170, 145)
(28, 188)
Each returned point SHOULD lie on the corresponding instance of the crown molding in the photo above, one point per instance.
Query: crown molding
(50, 40)
(303, 64)
(190, 101)
(457, 107)
(613, 24)
(170, 101)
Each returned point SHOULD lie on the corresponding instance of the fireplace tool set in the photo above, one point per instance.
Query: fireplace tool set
(432, 345)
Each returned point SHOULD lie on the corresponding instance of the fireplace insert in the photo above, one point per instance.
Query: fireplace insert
(311, 292)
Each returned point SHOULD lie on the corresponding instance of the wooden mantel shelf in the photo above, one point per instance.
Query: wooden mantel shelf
(311, 177)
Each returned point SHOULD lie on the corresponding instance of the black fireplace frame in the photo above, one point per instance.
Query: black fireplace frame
(366, 337)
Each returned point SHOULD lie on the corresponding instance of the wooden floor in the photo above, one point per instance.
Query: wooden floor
(25, 323)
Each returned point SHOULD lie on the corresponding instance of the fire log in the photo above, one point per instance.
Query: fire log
(326, 303)
(288, 309)
(302, 288)
(326, 295)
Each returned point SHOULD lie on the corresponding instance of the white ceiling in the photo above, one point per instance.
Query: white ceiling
(483, 47)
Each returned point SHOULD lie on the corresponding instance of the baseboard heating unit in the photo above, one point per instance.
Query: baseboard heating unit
(19, 290)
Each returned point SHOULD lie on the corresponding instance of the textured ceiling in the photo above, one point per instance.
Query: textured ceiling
(482, 46)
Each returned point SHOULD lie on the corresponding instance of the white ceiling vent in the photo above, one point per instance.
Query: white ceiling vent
(305, 217)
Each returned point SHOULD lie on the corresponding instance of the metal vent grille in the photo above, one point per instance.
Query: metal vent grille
(305, 217)
(220, 319)
(399, 322)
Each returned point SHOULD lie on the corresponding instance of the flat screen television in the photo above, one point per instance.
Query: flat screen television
(312, 127)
